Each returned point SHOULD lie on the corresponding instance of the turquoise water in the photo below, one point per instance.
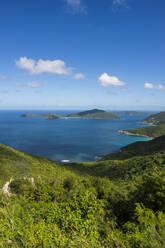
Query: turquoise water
(66, 139)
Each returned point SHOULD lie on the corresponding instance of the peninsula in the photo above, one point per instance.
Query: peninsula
(156, 129)
(134, 132)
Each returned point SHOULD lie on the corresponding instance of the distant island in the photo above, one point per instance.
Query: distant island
(29, 115)
(49, 116)
(90, 114)
(95, 114)
(156, 129)
(131, 112)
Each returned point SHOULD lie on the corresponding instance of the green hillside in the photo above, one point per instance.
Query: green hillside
(111, 203)
(95, 114)
(149, 131)
(158, 128)
(139, 148)
(155, 119)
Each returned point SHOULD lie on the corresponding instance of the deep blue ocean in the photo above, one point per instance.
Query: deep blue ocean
(66, 139)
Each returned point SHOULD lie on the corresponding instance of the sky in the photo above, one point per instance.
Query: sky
(82, 54)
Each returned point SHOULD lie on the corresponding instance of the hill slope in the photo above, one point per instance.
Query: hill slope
(155, 119)
(84, 204)
(158, 128)
(15, 164)
(150, 131)
(139, 148)
(95, 114)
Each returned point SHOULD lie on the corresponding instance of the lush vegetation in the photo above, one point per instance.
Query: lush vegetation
(155, 119)
(95, 114)
(149, 131)
(158, 128)
(108, 203)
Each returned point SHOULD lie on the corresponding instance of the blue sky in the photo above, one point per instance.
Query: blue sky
(78, 54)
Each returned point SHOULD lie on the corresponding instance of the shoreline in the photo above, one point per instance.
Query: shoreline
(134, 134)
(148, 123)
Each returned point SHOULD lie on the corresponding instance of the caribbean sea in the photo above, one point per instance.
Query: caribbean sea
(66, 139)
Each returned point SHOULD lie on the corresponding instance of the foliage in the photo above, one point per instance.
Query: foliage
(95, 114)
(108, 203)
(156, 119)
(152, 192)
(149, 131)
(139, 148)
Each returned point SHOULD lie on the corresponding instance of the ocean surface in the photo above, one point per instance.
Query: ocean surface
(66, 139)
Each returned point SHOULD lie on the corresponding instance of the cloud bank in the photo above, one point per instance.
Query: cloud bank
(107, 80)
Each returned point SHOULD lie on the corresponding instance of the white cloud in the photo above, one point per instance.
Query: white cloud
(33, 84)
(106, 80)
(160, 87)
(152, 86)
(78, 76)
(76, 6)
(43, 66)
(148, 86)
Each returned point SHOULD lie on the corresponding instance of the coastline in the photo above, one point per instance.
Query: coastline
(55, 144)
(148, 123)
(134, 134)
(127, 132)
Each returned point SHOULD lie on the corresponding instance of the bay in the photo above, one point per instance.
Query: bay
(70, 139)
